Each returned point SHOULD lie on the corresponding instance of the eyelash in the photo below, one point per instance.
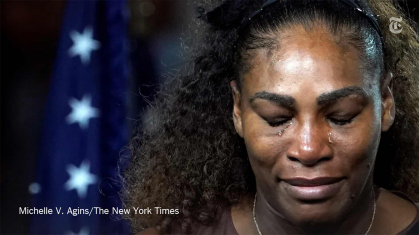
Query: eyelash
(339, 122)
(278, 123)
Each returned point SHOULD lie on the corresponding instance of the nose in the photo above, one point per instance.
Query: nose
(310, 145)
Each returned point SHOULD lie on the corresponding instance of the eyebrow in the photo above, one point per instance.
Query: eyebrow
(323, 100)
(282, 100)
(331, 97)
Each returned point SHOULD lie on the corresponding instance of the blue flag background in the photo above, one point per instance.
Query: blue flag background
(85, 123)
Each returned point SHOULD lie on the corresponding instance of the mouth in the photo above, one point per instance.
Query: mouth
(316, 189)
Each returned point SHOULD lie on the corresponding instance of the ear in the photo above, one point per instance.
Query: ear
(237, 113)
(388, 107)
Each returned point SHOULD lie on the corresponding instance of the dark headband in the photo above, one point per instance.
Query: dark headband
(213, 17)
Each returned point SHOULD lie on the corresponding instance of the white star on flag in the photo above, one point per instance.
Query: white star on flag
(34, 188)
(80, 178)
(82, 111)
(83, 44)
(83, 231)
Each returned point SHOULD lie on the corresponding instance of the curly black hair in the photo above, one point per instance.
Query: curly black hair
(187, 155)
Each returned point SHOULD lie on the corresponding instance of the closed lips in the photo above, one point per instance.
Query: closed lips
(304, 182)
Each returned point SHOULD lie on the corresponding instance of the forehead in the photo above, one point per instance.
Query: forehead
(304, 59)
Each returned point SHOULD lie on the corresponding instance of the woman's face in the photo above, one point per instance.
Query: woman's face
(307, 88)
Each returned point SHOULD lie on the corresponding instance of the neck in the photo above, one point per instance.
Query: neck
(357, 221)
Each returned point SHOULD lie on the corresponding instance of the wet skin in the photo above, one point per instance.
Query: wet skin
(307, 88)
(302, 89)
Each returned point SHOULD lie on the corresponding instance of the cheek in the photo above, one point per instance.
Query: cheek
(263, 143)
(358, 146)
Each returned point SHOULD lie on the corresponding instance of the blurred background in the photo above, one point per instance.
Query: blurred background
(59, 121)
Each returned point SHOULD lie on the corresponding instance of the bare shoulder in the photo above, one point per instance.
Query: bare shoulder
(149, 231)
(397, 212)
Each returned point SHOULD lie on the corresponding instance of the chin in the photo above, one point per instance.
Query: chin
(317, 215)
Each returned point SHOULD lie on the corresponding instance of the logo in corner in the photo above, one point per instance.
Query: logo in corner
(395, 25)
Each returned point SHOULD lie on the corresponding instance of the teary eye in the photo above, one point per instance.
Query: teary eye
(276, 123)
(341, 122)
